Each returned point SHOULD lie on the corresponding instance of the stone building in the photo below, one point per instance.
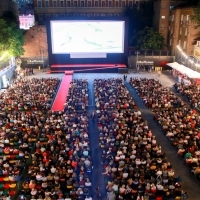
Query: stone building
(182, 31)
(161, 17)
(80, 8)
(35, 43)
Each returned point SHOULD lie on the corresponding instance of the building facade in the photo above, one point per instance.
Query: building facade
(161, 17)
(9, 5)
(26, 21)
(80, 8)
(182, 31)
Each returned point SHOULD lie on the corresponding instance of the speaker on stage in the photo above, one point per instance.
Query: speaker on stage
(123, 70)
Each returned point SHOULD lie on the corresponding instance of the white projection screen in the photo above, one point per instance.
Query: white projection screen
(87, 36)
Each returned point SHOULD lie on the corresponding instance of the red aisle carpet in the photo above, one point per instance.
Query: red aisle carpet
(60, 99)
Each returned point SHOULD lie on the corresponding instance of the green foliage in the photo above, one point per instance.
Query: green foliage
(196, 16)
(148, 38)
(140, 17)
(11, 38)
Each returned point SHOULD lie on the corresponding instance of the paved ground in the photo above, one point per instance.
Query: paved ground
(189, 182)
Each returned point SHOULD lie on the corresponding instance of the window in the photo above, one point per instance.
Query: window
(130, 4)
(163, 6)
(46, 3)
(170, 42)
(184, 45)
(181, 17)
(39, 3)
(89, 15)
(54, 3)
(55, 15)
(117, 4)
(75, 15)
(89, 4)
(103, 4)
(96, 15)
(61, 3)
(82, 3)
(180, 31)
(62, 15)
(110, 4)
(47, 15)
(82, 15)
(163, 17)
(103, 15)
(96, 4)
(109, 14)
(186, 31)
(162, 27)
(123, 4)
(172, 18)
(75, 4)
(69, 15)
(172, 30)
(40, 17)
(116, 15)
(187, 18)
(68, 3)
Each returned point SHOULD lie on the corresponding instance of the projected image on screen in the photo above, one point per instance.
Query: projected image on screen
(87, 36)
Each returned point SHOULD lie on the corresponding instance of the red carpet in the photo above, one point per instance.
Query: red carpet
(60, 99)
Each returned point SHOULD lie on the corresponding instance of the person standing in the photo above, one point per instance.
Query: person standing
(98, 193)
(111, 195)
(93, 116)
(159, 73)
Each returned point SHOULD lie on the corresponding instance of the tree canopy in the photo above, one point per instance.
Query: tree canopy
(196, 16)
(148, 38)
(11, 38)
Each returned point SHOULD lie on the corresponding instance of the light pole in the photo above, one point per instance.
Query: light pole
(42, 53)
(137, 53)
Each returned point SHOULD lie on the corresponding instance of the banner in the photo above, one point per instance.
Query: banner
(30, 62)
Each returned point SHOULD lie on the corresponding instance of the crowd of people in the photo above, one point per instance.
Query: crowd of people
(55, 146)
(134, 165)
(78, 95)
(191, 92)
(181, 124)
(155, 95)
(61, 163)
(20, 128)
(29, 94)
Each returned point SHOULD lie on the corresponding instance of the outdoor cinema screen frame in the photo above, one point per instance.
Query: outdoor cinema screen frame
(97, 42)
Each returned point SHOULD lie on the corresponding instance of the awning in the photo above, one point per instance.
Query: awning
(184, 70)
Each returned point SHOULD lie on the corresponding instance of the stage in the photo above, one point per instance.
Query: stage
(87, 68)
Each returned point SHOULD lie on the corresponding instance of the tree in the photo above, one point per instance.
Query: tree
(11, 38)
(196, 16)
(148, 38)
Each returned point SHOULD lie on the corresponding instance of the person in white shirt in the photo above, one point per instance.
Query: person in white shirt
(88, 198)
(53, 169)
